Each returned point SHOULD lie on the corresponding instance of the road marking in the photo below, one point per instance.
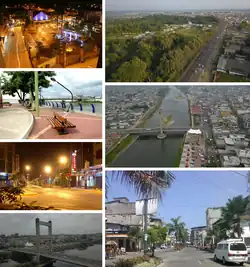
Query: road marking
(18, 59)
(199, 262)
(40, 133)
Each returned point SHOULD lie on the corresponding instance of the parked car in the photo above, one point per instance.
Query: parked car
(163, 246)
(231, 250)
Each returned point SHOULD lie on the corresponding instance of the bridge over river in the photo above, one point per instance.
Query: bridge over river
(150, 131)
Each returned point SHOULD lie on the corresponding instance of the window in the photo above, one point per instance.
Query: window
(238, 246)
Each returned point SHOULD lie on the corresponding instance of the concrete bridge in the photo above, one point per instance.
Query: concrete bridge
(45, 257)
(52, 257)
(150, 131)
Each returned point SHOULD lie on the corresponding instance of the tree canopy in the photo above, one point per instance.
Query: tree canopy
(157, 56)
(22, 83)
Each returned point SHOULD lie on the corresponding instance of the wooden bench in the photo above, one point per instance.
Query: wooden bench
(60, 123)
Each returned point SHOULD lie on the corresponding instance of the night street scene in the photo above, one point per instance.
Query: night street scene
(55, 240)
(50, 105)
(50, 176)
(177, 218)
(51, 35)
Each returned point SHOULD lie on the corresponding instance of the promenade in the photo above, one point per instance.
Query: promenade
(16, 122)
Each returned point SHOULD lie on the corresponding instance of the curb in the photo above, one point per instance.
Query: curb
(26, 135)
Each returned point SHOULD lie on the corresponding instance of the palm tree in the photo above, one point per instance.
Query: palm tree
(231, 214)
(178, 227)
(145, 183)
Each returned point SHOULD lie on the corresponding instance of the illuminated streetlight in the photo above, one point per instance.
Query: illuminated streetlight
(27, 167)
(63, 160)
(47, 169)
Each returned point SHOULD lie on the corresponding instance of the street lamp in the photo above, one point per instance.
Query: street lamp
(72, 97)
(27, 168)
(63, 160)
(47, 169)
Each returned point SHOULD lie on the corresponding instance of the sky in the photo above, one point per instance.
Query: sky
(62, 223)
(86, 83)
(167, 5)
(191, 194)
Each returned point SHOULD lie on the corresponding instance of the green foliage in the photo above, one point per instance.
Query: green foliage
(229, 224)
(158, 57)
(178, 227)
(137, 261)
(23, 82)
(10, 194)
(158, 234)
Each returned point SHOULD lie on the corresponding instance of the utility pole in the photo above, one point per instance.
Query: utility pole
(145, 228)
(37, 94)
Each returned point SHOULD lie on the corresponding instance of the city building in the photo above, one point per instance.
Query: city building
(197, 236)
(212, 215)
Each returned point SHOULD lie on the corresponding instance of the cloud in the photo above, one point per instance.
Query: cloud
(62, 223)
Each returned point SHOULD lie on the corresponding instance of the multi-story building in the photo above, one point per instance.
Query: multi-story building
(197, 235)
(212, 215)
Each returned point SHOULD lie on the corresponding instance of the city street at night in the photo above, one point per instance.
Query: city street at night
(60, 176)
(41, 35)
(15, 52)
(63, 198)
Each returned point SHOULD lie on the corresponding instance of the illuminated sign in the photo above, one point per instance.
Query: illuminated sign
(73, 164)
(41, 16)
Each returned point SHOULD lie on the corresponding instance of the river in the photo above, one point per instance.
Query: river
(148, 151)
(91, 253)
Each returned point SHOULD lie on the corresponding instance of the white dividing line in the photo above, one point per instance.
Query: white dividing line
(41, 132)
(17, 51)
(199, 262)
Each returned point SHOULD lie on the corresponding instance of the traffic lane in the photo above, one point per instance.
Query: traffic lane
(22, 53)
(190, 257)
(63, 199)
(10, 54)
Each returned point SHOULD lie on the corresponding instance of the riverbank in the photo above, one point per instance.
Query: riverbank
(119, 148)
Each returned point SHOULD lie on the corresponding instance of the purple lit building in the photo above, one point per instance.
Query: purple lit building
(41, 16)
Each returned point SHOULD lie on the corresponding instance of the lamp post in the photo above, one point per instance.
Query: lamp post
(27, 168)
(36, 93)
(72, 97)
(62, 162)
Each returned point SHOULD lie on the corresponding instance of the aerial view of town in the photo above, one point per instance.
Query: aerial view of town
(59, 240)
(160, 45)
(51, 35)
(178, 126)
(177, 218)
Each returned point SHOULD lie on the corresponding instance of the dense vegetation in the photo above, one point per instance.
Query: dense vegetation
(158, 56)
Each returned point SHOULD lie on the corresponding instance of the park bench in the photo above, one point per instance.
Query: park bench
(60, 123)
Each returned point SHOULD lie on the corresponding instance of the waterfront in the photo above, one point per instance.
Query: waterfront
(91, 253)
(158, 153)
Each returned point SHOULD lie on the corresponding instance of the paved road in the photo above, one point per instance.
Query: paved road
(63, 198)
(190, 257)
(15, 53)
(208, 52)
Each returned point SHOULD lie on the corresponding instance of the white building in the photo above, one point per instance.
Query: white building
(212, 216)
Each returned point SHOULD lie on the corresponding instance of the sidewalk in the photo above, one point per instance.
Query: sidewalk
(87, 126)
(15, 122)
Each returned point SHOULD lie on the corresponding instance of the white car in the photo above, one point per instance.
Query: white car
(231, 250)
(163, 246)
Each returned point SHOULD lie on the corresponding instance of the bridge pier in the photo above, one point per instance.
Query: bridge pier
(161, 135)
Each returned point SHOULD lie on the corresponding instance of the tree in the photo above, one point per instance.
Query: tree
(136, 234)
(178, 227)
(22, 83)
(231, 214)
(131, 71)
(145, 183)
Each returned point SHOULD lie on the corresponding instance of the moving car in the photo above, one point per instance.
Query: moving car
(231, 250)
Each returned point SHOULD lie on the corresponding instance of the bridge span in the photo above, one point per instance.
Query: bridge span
(58, 257)
(149, 131)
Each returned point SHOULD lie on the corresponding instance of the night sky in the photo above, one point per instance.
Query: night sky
(37, 155)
